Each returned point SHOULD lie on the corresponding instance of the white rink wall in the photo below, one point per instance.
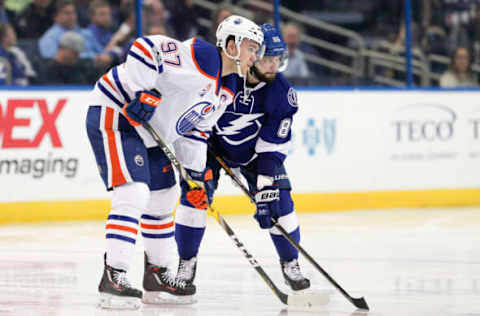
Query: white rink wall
(343, 141)
(386, 140)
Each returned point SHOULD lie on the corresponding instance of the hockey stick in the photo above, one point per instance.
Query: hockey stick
(305, 300)
(357, 302)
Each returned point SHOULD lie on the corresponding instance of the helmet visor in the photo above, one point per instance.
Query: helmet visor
(280, 61)
(261, 51)
(283, 61)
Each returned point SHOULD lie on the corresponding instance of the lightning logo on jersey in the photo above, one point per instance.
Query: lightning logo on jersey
(246, 126)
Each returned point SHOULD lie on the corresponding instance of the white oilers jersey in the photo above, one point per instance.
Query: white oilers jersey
(188, 77)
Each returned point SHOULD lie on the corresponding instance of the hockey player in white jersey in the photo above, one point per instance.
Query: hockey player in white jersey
(254, 135)
(177, 88)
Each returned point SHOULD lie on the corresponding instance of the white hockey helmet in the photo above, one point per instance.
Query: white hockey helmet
(240, 28)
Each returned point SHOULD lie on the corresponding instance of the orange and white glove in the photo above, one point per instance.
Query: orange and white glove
(202, 195)
(140, 109)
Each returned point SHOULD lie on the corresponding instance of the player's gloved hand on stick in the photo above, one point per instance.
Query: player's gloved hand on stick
(201, 196)
(140, 109)
(268, 206)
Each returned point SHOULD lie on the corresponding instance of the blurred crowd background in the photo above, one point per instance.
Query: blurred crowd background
(330, 42)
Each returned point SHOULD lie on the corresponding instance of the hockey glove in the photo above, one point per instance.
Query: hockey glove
(201, 196)
(141, 109)
(268, 206)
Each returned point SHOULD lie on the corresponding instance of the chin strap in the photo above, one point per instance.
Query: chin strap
(236, 59)
(246, 90)
(239, 68)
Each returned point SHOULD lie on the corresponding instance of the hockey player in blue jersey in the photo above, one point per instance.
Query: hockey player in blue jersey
(254, 135)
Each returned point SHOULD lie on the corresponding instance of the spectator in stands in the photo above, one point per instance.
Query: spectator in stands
(395, 45)
(35, 19)
(65, 20)
(262, 10)
(124, 10)
(155, 13)
(21, 56)
(83, 12)
(67, 67)
(183, 19)
(157, 29)
(99, 34)
(11, 70)
(474, 34)
(459, 73)
(124, 36)
(297, 70)
(6, 15)
(457, 18)
(223, 11)
(399, 42)
(154, 21)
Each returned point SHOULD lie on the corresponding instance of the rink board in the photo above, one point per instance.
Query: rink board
(350, 150)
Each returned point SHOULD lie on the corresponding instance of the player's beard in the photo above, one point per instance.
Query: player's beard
(261, 76)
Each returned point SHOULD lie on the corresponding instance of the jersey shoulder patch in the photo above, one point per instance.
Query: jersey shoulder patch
(292, 97)
(206, 57)
(281, 97)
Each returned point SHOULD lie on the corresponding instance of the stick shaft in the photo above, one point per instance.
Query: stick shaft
(358, 302)
(281, 296)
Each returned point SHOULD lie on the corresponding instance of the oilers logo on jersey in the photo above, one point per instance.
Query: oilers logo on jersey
(190, 118)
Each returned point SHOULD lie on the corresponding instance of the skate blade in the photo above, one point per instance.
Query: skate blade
(109, 301)
(166, 298)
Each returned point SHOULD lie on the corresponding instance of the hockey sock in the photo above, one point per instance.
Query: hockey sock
(157, 227)
(158, 233)
(285, 250)
(289, 221)
(121, 234)
(128, 201)
(188, 240)
(189, 229)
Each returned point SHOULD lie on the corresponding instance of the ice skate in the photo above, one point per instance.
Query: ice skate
(293, 276)
(116, 291)
(161, 287)
(186, 272)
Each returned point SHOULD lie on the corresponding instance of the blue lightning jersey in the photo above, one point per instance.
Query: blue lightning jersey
(257, 125)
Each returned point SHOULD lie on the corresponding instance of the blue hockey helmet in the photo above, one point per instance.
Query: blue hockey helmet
(274, 45)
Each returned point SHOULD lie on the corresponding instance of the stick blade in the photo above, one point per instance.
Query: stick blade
(360, 303)
(314, 299)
